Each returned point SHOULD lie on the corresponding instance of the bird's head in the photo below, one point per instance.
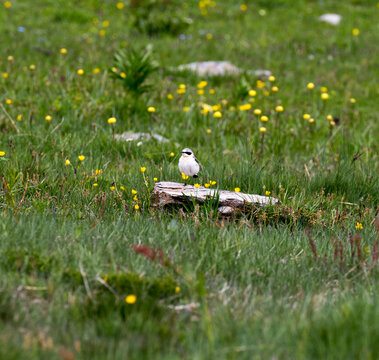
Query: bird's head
(187, 152)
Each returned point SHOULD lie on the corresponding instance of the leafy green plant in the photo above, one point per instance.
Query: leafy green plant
(133, 68)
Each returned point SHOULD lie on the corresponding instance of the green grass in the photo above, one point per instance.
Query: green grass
(258, 289)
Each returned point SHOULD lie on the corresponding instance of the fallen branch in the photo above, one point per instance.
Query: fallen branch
(165, 193)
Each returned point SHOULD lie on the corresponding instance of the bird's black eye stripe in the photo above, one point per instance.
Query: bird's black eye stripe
(186, 152)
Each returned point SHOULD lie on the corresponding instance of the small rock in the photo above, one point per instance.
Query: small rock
(333, 19)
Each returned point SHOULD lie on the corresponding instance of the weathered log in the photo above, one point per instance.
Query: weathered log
(166, 192)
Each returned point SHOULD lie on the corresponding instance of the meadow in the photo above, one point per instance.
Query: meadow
(90, 268)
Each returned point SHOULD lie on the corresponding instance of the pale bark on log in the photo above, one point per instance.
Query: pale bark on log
(165, 193)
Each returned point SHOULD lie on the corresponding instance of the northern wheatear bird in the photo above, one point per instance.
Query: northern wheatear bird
(188, 164)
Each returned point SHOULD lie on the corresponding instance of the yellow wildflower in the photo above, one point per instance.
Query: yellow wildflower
(267, 193)
(7, 4)
(264, 118)
(352, 100)
(275, 89)
(134, 192)
(237, 189)
(200, 92)
(324, 96)
(211, 91)
(217, 114)
(209, 131)
(136, 206)
(197, 186)
(329, 117)
(80, 72)
(63, 51)
(184, 176)
(310, 86)
(32, 67)
(5, 75)
(131, 299)
(257, 111)
(359, 226)
(202, 84)
(155, 179)
(271, 78)
(2, 153)
(95, 184)
(244, 107)
(243, 7)
(112, 188)
(112, 120)
(355, 32)
(151, 109)
(123, 75)
(8, 101)
(207, 185)
(172, 154)
(252, 93)
(262, 129)
(120, 5)
(213, 183)
(96, 70)
(279, 108)
(306, 116)
(143, 169)
(81, 157)
(170, 96)
(48, 117)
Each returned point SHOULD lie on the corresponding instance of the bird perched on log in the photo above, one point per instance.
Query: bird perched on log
(188, 164)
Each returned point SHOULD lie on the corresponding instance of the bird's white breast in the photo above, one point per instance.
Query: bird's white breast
(188, 166)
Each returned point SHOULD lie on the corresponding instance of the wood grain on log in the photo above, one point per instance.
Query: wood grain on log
(165, 193)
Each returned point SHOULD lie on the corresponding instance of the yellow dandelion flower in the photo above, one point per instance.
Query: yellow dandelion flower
(267, 193)
(202, 84)
(352, 100)
(112, 120)
(324, 96)
(264, 118)
(123, 75)
(48, 117)
(200, 92)
(252, 92)
(170, 96)
(217, 114)
(207, 185)
(310, 86)
(10, 58)
(243, 7)
(355, 32)
(32, 67)
(306, 116)
(209, 131)
(122, 187)
(279, 108)
(134, 191)
(244, 107)
(262, 129)
(271, 78)
(5, 75)
(209, 36)
(95, 184)
(81, 157)
(172, 154)
(19, 117)
(275, 89)
(136, 207)
(181, 91)
(184, 176)
(261, 84)
(257, 111)
(120, 5)
(63, 51)
(197, 186)
(151, 109)
(177, 289)
(2, 153)
(329, 117)
(80, 72)
(131, 299)
(311, 120)
(332, 123)
(213, 183)
(143, 169)
(237, 189)
(211, 91)
(102, 32)
(324, 89)
(105, 23)
(7, 4)
(67, 162)
(8, 101)
(155, 179)
(112, 188)
(96, 70)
